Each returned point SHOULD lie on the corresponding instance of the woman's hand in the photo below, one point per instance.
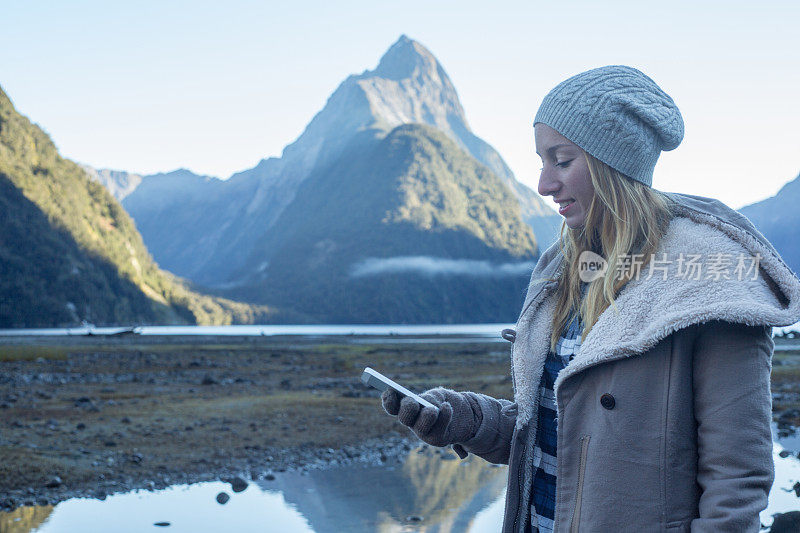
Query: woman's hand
(452, 421)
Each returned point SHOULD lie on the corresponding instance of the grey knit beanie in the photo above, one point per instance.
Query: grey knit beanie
(617, 114)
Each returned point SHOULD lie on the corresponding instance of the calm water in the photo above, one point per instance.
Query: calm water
(428, 492)
(477, 330)
(448, 495)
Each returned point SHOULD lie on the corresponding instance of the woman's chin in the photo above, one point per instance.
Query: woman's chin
(574, 223)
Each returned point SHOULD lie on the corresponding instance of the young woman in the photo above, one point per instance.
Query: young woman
(642, 354)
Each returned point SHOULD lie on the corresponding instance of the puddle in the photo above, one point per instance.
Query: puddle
(782, 497)
(428, 493)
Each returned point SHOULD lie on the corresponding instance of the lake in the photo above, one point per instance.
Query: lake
(382, 330)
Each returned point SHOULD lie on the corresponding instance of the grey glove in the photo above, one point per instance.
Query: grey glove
(455, 419)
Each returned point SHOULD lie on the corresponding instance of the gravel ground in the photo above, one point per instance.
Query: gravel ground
(92, 416)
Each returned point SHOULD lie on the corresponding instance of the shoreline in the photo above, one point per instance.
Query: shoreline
(375, 451)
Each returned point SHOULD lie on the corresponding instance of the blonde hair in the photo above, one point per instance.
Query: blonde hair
(625, 217)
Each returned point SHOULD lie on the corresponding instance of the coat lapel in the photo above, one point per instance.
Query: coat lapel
(533, 333)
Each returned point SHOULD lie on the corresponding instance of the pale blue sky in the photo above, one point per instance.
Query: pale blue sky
(216, 86)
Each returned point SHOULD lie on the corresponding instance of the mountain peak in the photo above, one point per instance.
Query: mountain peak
(183, 172)
(408, 86)
(407, 58)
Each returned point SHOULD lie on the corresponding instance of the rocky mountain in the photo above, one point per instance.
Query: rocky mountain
(778, 219)
(403, 228)
(118, 182)
(69, 252)
(206, 230)
(175, 235)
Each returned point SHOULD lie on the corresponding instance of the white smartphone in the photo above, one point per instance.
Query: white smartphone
(373, 378)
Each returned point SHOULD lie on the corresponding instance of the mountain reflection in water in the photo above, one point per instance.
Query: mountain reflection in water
(24, 519)
(432, 491)
(443, 491)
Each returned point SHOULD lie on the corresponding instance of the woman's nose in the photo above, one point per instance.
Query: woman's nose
(547, 185)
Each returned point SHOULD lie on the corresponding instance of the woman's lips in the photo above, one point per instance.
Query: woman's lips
(563, 210)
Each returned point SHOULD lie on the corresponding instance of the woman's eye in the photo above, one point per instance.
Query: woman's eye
(564, 164)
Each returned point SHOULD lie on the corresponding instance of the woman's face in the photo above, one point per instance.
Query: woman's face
(565, 174)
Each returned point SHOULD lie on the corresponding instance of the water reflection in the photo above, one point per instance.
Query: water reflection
(430, 492)
(24, 519)
(783, 497)
(185, 508)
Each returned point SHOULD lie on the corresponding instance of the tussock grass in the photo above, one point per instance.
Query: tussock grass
(31, 353)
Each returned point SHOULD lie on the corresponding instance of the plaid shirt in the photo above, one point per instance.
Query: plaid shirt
(544, 453)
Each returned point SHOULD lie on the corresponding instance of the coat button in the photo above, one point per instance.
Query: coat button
(509, 334)
(607, 401)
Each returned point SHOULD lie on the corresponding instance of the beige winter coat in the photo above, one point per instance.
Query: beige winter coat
(681, 438)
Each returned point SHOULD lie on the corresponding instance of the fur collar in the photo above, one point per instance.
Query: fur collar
(650, 309)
